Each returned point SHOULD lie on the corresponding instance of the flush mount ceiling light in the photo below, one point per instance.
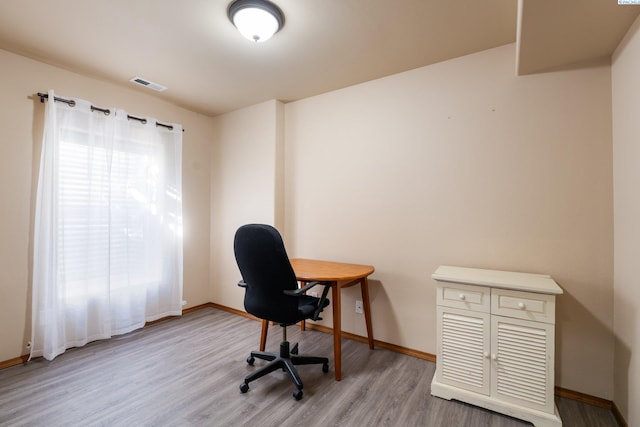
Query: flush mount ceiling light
(257, 20)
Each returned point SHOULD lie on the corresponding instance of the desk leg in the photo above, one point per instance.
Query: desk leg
(263, 334)
(337, 331)
(364, 288)
(303, 324)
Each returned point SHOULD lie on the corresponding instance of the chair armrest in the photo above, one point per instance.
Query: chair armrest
(302, 290)
(242, 284)
(323, 298)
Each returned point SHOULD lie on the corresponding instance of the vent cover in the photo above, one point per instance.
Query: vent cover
(146, 83)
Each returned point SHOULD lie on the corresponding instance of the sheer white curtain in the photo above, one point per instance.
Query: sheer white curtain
(108, 226)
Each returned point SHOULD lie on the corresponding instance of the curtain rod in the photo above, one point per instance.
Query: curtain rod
(106, 111)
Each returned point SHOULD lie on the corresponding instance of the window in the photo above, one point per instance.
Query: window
(108, 231)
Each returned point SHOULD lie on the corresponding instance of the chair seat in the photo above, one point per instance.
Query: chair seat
(308, 305)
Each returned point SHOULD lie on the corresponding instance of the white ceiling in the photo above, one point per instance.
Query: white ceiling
(191, 47)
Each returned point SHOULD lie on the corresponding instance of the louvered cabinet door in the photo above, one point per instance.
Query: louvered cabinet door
(522, 355)
(463, 349)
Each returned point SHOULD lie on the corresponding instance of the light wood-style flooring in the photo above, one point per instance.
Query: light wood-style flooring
(186, 372)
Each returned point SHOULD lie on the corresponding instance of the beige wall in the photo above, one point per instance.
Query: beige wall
(247, 187)
(463, 163)
(626, 161)
(457, 163)
(21, 118)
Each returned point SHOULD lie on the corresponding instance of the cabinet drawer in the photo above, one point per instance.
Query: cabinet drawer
(476, 298)
(523, 305)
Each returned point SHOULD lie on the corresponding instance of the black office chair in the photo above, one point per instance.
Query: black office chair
(272, 293)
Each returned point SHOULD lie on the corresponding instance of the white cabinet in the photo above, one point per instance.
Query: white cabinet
(496, 333)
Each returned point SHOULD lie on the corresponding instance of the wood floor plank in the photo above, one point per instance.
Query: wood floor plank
(187, 371)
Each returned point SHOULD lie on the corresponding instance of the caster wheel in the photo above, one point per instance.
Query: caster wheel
(297, 394)
(244, 387)
(250, 360)
(325, 368)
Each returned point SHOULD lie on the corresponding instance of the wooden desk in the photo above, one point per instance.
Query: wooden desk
(341, 275)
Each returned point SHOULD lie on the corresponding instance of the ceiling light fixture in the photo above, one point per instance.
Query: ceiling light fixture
(257, 20)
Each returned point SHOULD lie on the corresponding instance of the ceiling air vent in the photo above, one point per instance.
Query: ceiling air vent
(146, 83)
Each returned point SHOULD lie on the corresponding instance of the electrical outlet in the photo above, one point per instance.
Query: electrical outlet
(358, 306)
(184, 302)
(29, 345)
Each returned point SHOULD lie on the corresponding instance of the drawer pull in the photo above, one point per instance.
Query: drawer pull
(462, 297)
(494, 356)
(521, 306)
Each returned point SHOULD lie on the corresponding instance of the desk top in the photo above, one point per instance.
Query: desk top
(540, 283)
(311, 269)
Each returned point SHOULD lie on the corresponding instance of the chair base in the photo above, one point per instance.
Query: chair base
(285, 361)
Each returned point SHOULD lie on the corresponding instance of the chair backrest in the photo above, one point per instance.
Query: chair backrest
(266, 270)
